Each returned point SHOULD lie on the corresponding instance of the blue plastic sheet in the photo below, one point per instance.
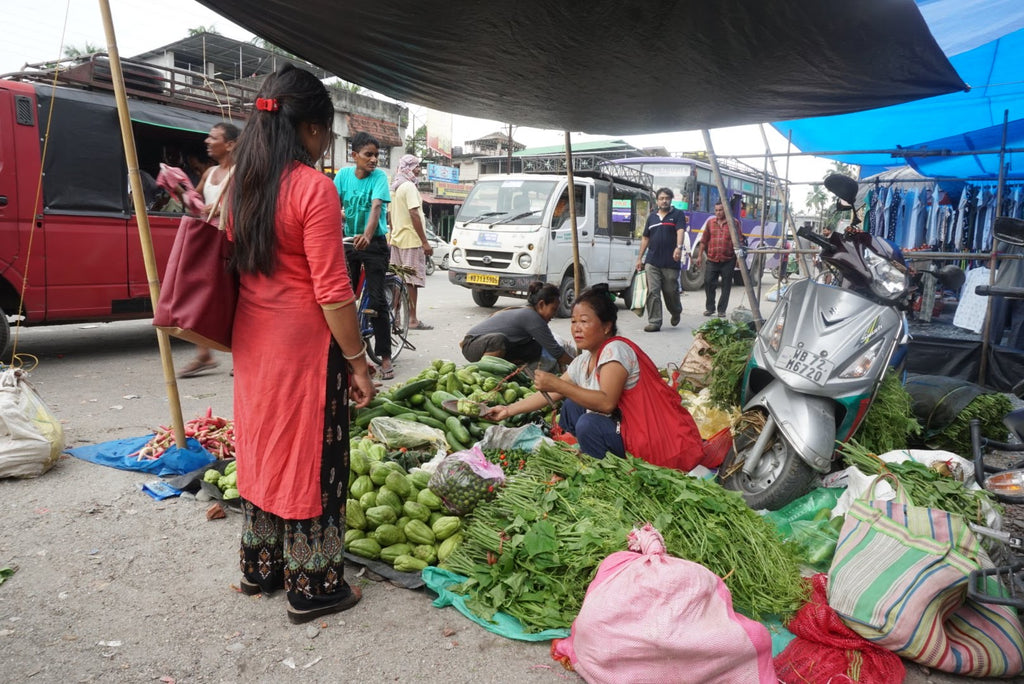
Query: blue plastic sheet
(119, 454)
(439, 580)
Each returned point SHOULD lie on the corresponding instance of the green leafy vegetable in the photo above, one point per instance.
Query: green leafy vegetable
(890, 419)
(923, 485)
(532, 551)
(727, 367)
(989, 409)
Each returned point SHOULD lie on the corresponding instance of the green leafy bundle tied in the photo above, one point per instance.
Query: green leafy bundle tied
(727, 367)
(890, 420)
(923, 485)
(989, 409)
(533, 550)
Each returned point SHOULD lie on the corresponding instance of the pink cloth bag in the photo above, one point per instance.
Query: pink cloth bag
(650, 617)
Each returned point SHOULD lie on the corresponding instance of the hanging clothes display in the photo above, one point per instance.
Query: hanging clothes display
(893, 205)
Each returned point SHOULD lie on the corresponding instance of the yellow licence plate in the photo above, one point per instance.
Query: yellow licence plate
(482, 278)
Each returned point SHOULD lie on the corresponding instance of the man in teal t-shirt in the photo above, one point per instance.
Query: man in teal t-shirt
(363, 190)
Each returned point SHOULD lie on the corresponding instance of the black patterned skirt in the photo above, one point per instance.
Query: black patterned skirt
(306, 557)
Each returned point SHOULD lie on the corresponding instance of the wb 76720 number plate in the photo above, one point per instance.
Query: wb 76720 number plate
(806, 364)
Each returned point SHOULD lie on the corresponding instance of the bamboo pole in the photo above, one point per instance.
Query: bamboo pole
(986, 330)
(572, 218)
(142, 218)
(733, 231)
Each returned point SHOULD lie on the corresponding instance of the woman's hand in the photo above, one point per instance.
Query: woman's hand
(545, 382)
(497, 413)
(361, 389)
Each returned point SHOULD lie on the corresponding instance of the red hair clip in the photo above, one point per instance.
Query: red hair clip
(266, 104)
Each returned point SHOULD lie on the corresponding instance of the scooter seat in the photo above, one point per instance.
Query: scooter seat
(1014, 422)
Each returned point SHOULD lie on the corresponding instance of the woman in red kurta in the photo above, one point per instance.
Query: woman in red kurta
(298, 355)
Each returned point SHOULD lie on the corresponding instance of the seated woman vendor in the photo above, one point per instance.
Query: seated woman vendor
(520, 334)
(614, 399)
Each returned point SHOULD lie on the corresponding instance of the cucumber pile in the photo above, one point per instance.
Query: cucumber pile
(392, 515)
(421, 399)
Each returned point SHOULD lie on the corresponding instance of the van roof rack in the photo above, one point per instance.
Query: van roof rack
(170, 85)
(589, 165)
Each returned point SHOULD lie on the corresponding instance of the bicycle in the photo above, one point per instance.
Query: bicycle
(396, 293)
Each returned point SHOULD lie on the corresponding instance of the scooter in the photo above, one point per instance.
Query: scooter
(818, 361)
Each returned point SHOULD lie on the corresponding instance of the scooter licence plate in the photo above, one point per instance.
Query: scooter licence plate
(806, 364)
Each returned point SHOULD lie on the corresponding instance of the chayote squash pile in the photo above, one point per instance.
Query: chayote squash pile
(392, 515)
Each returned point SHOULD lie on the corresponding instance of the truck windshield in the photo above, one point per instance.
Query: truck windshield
(507, 201)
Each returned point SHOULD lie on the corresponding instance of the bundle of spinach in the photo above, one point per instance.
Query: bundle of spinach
(718, 332)
(889, 422)
(727, 367)
(533, 550)
(987, 408)
(730, 349)
(924, 486)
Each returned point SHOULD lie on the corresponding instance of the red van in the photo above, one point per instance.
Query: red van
(68, 234)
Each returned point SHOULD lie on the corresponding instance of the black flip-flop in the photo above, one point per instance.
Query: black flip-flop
(387, 373)
(421, 326)
(297, 616)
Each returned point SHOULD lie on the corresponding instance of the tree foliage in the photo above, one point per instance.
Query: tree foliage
(75, 51)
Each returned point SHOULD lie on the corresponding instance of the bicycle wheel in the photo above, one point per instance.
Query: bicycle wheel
(398, 304)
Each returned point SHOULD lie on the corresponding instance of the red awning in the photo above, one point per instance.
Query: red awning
(384, 131)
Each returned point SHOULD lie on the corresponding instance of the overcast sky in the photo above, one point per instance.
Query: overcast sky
(37, 32)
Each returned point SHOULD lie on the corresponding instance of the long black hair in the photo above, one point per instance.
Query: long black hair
(266, 150)
(602, 301)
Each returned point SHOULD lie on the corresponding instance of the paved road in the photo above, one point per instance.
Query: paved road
(104, 381)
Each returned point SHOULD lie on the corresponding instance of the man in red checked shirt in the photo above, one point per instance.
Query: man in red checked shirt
(716, 248)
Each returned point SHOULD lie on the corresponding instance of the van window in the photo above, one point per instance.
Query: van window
(603, 210)
(630, 208)
(560, 215)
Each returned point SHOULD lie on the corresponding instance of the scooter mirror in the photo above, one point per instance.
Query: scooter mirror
(843, 187)
(951, 277)
(1009, 230)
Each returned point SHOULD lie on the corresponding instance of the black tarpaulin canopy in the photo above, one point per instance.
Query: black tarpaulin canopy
(613, 66)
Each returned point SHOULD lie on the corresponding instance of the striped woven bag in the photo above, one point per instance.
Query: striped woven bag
(899, 579)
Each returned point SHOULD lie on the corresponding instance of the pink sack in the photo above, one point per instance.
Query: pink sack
(651, 617)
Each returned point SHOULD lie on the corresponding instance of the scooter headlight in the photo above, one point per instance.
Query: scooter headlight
(888, 280)
(860, 366)
(775, 334)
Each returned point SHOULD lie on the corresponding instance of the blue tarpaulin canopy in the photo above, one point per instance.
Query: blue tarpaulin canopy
(984, 41)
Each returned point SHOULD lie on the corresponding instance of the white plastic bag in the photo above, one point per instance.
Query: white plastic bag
(638, 304)
(31, 437)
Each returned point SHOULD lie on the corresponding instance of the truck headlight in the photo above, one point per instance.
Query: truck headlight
(524, 260)
(456, 254)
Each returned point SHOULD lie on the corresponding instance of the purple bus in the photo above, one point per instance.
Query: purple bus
(696, 193)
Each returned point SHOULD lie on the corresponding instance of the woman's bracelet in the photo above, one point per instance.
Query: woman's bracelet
(361, 352)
